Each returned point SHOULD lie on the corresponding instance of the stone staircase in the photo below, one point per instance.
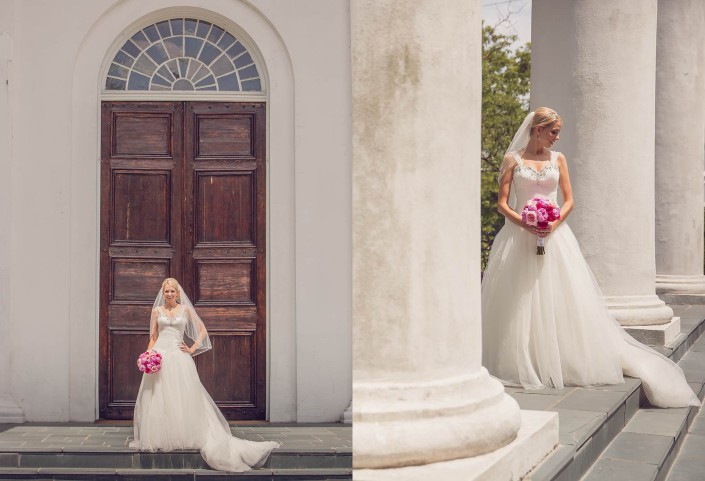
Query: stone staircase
(611, 432)
(74, 452)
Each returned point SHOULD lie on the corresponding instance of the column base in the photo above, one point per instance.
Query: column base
(659, 335)
(346, 417)
(10, 411)
(639, 310)
(411, 423)
(677, 285)
(537, 437)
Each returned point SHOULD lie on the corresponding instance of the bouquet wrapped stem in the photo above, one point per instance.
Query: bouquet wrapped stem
(540, 246)
(538, 212)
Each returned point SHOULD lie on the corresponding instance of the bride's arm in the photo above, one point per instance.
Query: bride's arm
(566, 190)
(153, 331)
(202, 332)
(505, 185)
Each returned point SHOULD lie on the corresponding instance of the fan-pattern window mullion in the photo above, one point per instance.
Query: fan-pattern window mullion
(183, 54)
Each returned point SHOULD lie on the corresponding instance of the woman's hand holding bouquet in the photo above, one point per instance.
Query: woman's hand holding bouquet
(539, 212)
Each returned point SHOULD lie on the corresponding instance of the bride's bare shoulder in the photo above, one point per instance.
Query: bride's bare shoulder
(560, 159)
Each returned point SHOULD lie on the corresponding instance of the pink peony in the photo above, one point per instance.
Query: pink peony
(531, 218)
(542, 214)
(149, 362)
(538, 212)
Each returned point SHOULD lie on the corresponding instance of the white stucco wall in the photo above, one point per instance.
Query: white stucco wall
(323, 199)
(6, 33)
(59, 47)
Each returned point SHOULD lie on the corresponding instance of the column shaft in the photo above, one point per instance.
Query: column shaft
(680, 146)
(421, 394)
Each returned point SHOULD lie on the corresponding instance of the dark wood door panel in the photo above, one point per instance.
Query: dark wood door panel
(232, 386)
(227, 135)
(224, 209)
(141, 241)
(225, 239)
(141, 207)
(137, 279)
(226, 281)
(145, 132)
(125, 346)
(131, 317)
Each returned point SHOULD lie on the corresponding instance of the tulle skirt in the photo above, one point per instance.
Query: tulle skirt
(545, 323)
(174, 411)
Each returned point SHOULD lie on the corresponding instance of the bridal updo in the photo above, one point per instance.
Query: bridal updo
(543, 116)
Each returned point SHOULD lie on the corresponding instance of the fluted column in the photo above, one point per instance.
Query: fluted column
(680, 146)
(594, 62)
(9, 411)
(421, 394)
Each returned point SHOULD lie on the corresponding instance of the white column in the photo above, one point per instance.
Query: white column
(421, 394)
(594, 62)
(9, 411)
(680, 146)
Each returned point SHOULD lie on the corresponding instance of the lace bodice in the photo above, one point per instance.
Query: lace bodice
(528, 183)
(171, 329)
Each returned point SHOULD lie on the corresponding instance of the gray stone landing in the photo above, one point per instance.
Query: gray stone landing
(82, 451)
(612, 433)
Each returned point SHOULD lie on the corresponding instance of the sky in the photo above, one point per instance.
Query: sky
(519, 12)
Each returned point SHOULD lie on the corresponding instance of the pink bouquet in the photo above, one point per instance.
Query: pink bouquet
(539, 212)
(149, 362)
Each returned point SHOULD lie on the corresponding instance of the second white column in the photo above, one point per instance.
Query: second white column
(680, 147)
(594, 62)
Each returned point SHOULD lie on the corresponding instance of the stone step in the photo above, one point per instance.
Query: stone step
(646, 447)
(123, 459)
(598, 424)
(80, 450)
(84, 463)
(689, 465)
(127, 474)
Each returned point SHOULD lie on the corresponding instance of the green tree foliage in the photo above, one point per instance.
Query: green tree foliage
(505, 103)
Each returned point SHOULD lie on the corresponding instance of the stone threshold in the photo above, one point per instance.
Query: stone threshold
(600, 423)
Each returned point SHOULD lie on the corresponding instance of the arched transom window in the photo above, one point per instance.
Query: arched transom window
(183, 54)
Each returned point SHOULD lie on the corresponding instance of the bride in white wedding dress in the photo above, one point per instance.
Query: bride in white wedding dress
(173, 409)
(544, 322)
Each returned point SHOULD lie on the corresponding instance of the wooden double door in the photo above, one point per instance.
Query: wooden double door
(183, 196)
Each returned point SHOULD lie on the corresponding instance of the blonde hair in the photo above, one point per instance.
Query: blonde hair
(170, 281)
(543, 116)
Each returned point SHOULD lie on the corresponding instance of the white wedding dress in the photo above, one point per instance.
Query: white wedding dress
(174, 411)
(544, 322)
